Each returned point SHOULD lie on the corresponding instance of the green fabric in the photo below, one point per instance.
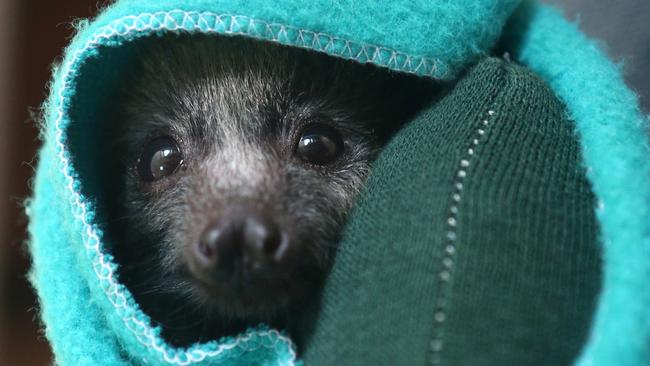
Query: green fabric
(400, 35)
(459, 257)
(614, 137)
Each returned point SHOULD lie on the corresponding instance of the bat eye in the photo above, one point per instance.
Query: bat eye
(160, 158)
(320, 145)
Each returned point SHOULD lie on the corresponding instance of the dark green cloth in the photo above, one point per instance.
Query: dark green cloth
(475, 242)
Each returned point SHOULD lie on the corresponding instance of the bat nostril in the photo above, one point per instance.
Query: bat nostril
(216, 248)
(207, 244)
(264, 237)
(242, 244)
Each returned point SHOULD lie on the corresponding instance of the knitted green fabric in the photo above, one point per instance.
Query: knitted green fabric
(498, 226)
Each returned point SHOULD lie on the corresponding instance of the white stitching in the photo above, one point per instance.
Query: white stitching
(445, 275)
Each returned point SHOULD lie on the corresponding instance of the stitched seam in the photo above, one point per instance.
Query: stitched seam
(238, 24)
(445, 275)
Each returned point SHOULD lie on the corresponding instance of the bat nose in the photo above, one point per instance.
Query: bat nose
(242, 244)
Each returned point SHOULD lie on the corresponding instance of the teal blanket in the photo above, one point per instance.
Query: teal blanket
(92, 319)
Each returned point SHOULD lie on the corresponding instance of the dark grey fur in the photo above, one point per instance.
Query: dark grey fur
(237, 108)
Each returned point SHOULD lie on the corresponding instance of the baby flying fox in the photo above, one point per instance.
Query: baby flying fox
(232, 166)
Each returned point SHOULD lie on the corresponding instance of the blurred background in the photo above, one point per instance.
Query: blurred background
(32, 36)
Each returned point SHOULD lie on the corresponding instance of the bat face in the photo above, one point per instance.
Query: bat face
(232, 167)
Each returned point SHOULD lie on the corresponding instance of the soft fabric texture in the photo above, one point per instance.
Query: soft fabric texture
(622, 28)
(496, 224)
(91, 319)
(432, 38)
(614, 138)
